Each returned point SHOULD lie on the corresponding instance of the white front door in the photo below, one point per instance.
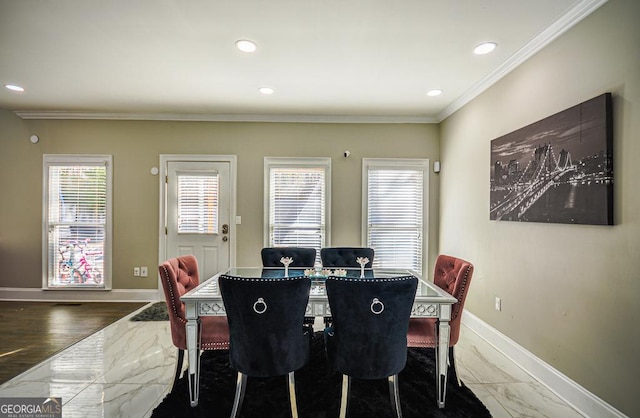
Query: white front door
(198, 213)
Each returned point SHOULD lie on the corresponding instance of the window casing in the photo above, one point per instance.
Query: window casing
(77, 221)
(297, 202)
(395, 195)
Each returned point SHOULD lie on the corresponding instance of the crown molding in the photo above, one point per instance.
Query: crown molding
(553, 31)
(64, 115)
(569, 19)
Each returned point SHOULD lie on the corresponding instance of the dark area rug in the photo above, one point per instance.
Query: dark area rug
(318, 391)
(155, 312)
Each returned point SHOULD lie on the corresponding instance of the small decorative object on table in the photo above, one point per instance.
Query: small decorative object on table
(319, 272)
(363, 262)
(340, 272)
(286, 261)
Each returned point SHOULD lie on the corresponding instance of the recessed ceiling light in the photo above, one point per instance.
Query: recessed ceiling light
(266, 90)
(485, 48)
(14, 87)
(245, 45)
(434, 92)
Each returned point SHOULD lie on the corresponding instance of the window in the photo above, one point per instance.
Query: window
(77, 221)
(198, 203)
(395, 196)
(297, 202)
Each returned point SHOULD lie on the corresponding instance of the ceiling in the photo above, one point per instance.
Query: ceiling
(327, 60)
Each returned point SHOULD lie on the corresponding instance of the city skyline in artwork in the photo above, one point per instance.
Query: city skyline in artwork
(559, 169)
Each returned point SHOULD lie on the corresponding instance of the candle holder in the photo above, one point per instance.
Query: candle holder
(286, 261)
(363, 262)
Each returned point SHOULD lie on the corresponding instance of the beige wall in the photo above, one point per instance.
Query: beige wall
(570, 294)
(136, 147)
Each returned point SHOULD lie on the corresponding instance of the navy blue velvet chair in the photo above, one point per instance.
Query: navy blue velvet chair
(302, 257)
(368, 339)
(267, 335)
(345, 256)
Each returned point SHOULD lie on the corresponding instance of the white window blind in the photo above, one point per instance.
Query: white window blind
(395, 197)
(297, 203)
(77, 202)
(198, 198)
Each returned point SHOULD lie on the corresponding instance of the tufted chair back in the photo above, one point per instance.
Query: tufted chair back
(368, 339)
(453, 275)
(302, 257)
(345, 256)
(370, 344)
(178, 276)
(268, 336)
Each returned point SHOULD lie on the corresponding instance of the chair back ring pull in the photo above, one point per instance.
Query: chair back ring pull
(260, 306)
(377, 307)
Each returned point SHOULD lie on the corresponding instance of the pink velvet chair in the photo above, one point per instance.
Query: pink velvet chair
(178, 276)
(452, 275)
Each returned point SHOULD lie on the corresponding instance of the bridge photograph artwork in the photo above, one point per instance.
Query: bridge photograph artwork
(559, 169)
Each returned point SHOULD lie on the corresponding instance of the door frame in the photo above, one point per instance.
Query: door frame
(162, 236)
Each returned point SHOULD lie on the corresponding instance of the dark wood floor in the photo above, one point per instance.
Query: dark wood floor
(32, 331)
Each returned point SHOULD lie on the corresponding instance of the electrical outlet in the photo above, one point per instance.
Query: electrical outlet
(144, 272)
(136, 272)
(498, 304)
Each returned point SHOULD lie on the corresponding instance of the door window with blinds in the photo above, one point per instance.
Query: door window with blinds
(198, 194)
(77, 222)
(395, 201)
(297, 202)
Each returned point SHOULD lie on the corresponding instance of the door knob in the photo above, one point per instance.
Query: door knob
(225, 238)
(225, 229)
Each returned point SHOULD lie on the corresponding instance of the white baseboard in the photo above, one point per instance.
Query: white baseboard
(571, 392)
(115, 295)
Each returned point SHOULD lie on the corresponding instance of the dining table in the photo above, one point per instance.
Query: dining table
(430, 302)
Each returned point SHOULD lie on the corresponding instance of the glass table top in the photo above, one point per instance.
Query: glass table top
(209, 288)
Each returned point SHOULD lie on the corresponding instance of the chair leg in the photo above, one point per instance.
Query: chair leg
(178, 368)
(394, 392)
(241, 385)
(292, 395)
(344, 400)
(436, 349)
(328, 322)
(454, 367)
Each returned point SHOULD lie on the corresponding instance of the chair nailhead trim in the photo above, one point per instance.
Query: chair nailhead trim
(215, 345)
(462, 290)
(365, 280)
(260, 279)
(173, 305)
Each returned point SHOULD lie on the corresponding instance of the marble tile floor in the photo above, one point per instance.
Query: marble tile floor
(126, 369)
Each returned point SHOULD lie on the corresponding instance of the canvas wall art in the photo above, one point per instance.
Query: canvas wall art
(559, 169)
